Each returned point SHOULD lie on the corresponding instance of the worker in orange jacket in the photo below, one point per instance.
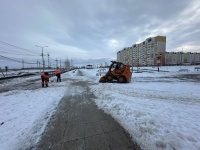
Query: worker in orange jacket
(45, 79)
(57, 73)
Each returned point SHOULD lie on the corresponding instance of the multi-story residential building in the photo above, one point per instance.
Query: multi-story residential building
(180, 58)
(144, 53)
(149, 51)
(173, 58)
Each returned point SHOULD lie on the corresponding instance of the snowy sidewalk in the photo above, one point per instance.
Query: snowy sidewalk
(79, 124)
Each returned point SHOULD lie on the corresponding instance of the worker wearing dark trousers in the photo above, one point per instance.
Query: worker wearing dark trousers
(57, 73)
(45, 79)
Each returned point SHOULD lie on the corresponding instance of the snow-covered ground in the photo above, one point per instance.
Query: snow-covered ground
(21, 72)
(25, 113)
(158, 109)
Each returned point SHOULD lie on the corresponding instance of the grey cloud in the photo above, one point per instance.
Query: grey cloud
(88, 26)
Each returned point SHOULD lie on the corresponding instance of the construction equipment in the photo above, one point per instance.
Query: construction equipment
(117, 71)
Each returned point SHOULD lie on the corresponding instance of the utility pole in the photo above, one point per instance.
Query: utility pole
(71, 64)
(42, 55)
(6, 68)
(22, 64)
(181, 55)
(138, 57)
(37, 63)
(48, 60)
(39, 67)
(159, 57)
(60, 63)
(56, 63)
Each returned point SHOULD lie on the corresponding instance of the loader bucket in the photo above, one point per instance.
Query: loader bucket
(128, 77)
(102, 79)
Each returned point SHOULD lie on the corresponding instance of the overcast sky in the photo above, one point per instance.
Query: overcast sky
(84, 29)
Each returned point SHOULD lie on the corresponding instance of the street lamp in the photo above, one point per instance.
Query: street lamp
(158, 60)
(138, 57)
(181, 54)
(42, 55)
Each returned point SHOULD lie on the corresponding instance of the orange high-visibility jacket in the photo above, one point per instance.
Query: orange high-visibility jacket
(57, 72)
(45, 76)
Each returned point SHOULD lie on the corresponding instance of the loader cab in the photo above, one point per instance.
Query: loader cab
(115, 65)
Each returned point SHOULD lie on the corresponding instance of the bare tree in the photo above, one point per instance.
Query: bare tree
(67, 63)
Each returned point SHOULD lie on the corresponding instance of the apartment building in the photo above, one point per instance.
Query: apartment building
(180, 58)
(153, 51)
(144, 53)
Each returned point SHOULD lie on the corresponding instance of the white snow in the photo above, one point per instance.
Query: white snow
(25, 113)
(158, 110)
(21, 72)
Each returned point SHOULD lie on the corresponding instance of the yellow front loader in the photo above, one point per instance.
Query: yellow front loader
(117, 71)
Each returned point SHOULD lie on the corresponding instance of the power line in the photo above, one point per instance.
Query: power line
(11, 59)
(29, 63)
(18, 47)
(7, 49)
(17, 53)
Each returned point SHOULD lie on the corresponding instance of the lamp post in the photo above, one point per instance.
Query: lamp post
(39, 66)
(42, 55)
(138, 57)
(158, 60)
(181, 54)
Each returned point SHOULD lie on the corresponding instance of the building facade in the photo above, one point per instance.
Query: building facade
(180, 58)
(153, 51)
(144, 53)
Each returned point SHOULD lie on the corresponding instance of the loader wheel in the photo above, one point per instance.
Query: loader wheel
(109, 77)
(121, 79)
